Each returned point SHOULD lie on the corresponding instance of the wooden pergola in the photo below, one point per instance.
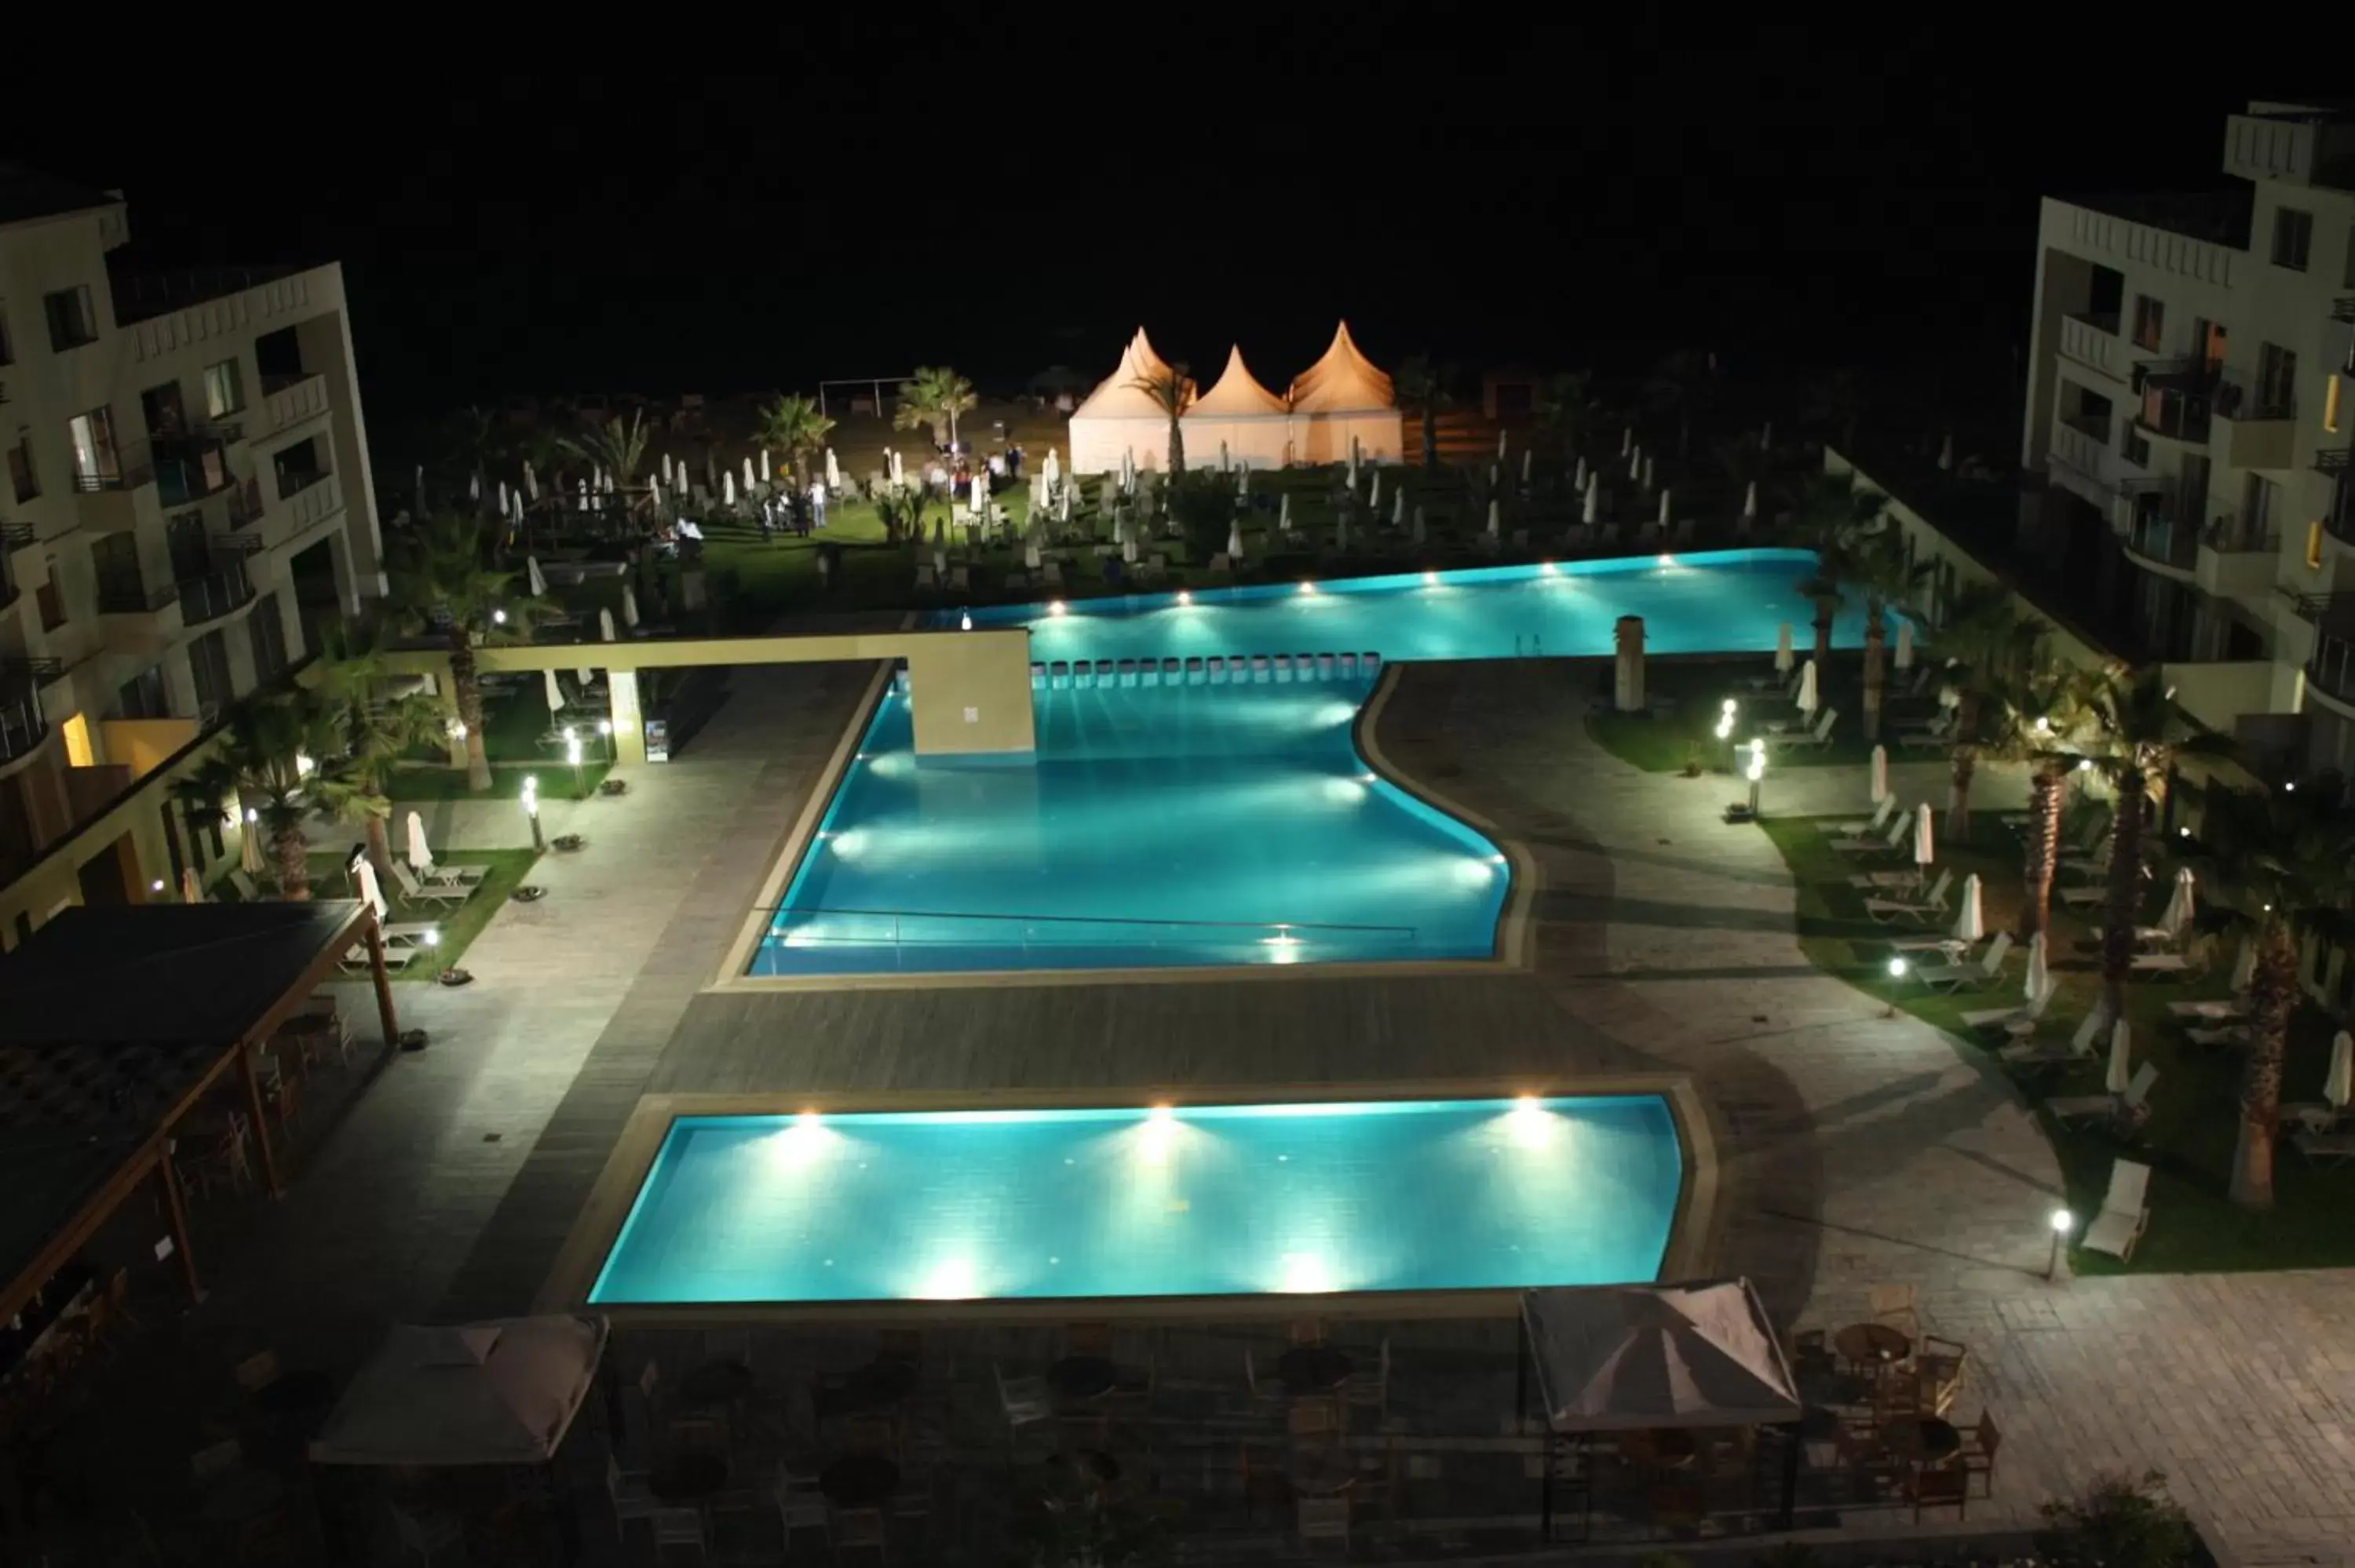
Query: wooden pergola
(114, 1024)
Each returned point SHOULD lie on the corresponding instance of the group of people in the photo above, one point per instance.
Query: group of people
(792, 513)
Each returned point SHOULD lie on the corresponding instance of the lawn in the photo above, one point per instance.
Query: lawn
(515, 719)
(460, 923)
(1688, 696)
(2189, 1137)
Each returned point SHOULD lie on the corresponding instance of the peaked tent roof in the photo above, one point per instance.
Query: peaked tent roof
(1117, 396)
(1341, 380)
(1238, 392)
(1615, 1357)
(500, 1393)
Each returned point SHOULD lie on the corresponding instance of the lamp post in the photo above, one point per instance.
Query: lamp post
(1757, 775)
(605, 730)
(572, 755)
(2063, 1222)
(532, 810)
(1898, 968)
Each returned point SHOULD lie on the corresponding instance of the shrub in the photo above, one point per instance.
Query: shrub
(2118, 1522)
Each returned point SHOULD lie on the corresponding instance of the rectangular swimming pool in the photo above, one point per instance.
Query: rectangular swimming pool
(1222, 1200)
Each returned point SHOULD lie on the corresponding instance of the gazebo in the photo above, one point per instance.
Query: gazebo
(1340, 399)
(1120, 417)
(114, 1023)
(1250, 421)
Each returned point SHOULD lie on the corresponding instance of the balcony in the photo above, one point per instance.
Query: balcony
(2331, 672)
(216, 593)
(2255, 427)
(2083, 464)
(2091, 341)
(2342, 309)
(2237, 559)
(2167, 545)
(23, 727)
(2176, 400)
(288, 402)
(142, 296)
(127, 595)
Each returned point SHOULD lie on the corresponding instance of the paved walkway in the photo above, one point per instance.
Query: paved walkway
(1865, 1148)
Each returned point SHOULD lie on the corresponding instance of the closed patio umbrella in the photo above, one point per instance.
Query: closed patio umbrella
(2039, 974)
(1496, 517)
(1810, 699)
(1235, 541)
(2121, 1068)
(629, 605)
(2244, 966)
(1781, 640)
(832, 479)
(1052, 468)
(2176, 918)
(1398, 507)
(420, 853)
(1970, 923)
(1946, 463)
(605, 622)
(248, 847)
(1925, 846)
(503, 498)
(190, 892)
(2338, 1084)
(1030, 551)
(1905, 644)
(748, 473)
(727, 488)
(1750, 503)
(1224, 462)
(1626, 439)
(1648, 480)
(667, 473)
(899, 469)
(1594, 505)
(555, 692)
(1374, 493)
(1880, 775)
(1242, 483)
(1129, 544)
(1525, 466)
(532, 578)
(939, 561)
(1664, 509)
(1578, 480)
(370, 893)
(1501, 446)
(473, 487)
(1353, 463)
(1419, 530)
(531, 480)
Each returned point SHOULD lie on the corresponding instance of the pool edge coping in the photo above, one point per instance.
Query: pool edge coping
(1509, 951)
(596, 1229)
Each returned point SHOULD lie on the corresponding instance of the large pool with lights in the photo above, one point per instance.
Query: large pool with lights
(1198, 798)
(1386, 1196)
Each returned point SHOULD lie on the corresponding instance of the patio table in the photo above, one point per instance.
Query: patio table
(1875, 1345)
(1922, 1439)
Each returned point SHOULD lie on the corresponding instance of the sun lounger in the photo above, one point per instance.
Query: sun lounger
(2220, 1009)
(2126, 1211)
(356, 961)
(1889, 841)
(415, 892)
(2182, 966)
(2325, 1148)
(1974, 973)
(2081, 1108)
(2006, 1017)
(2038, 1053)
(437, 875)
(1952, 947)
(1927, 739)
(1819, 735)
(1930, 906)
(1876, 823)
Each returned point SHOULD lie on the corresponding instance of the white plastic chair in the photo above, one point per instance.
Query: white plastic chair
(2125, 1212)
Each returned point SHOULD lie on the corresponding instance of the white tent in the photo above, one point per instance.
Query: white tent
(1242, 418)
(497, 1393)
(1120, 415)
(1342, 399)
(1611, 1358)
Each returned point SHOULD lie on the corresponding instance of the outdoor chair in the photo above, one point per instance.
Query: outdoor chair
(245, 891)
(2125, 1212)
(2325, 1148)
(1983, 971)
(677, 1527)
(1052, 575)
(1942, 1364)
(924, 576)
(1876, 823)
(2010, 1018)
(1940, 1486)
(2079, 1107)
(1930, 906)
(1323, 1519)
(1889, 841)
(1979, 1446)
(415, 892)
(2314, 1116)
(1022, 1400)
(2046, 1053)
(1819, 735)
(1897, 1307)
(433, 874)
(1937, 737)
(2188, 965)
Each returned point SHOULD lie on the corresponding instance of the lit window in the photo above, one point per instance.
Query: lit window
(2330, 405)
(2314, 547)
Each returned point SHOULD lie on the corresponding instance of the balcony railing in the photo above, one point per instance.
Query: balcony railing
(208, 597)
(2100, 321)
(22, 726)
(245, 504)
(128, 472)
(2332, 668)
(140, 296)
(2240, 397)
(2164, 539)
(18, 536)
(2236, 535)
(2331, 460)
(129, 596)
(2176, 399)
(294, 483)
(2097, 426)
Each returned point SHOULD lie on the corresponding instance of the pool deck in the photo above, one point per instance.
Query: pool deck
(1856, 1148)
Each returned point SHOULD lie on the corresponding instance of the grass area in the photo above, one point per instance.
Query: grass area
(1688, 695)
(504, 872)
(430, 781)
(514, 717)
(2188, 1140)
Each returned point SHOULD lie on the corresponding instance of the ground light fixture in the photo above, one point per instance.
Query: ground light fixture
(532, 810)
(964, 621)
(1757, 774)
(1185, 597)
(1898, 969)
(2062, 1222)
(573, 756)
(498, 618)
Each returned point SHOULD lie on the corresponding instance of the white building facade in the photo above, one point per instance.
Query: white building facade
(2185, 385)
(186, 489)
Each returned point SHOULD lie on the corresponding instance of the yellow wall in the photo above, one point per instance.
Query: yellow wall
(145, 745)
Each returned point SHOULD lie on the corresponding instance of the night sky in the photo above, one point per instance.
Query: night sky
(1552, 199)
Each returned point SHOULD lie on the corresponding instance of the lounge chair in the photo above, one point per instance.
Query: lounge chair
(1889, 841)
(1819, 735)
(415, 892)
(2217, 1009)
(1931, 942)
(356, 961)
(2125, 1212)
(1876, 823)
(2189, 964)
(1935, 739)
(1974, 973)
(2315, 1116)
(2012, 1018)
(1930, 906)
(2081, 1108)
(2038, 1053)
(1052, 574)
(2325, 1148)
(434, 874)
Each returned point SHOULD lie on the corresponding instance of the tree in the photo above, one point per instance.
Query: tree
(1835, 406)
(1881, 565)
(1568, 409)
(2040, 715)
(445, 585)
(1204, 505)
(901, 510)
(1986, 644)
(616, 447)
(374, 733)
(1681, 386)
(2118, 1522)
(1835, 513)
(936, 395)
(471, 437)
(2136, 741)
(274, 753)
(1170, 392)
(2284, 856)
(793, 424)
(1424, 386)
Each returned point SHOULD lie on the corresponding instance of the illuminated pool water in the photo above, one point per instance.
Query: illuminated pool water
(1202, 1201)
(1230, 824)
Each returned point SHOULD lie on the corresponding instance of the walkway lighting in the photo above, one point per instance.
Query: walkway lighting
(2062, 1222)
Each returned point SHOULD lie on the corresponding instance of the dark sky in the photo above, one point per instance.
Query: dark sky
(886, 196)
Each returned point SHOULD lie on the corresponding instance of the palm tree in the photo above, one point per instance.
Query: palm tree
(2136, 741)
(1567, 408)
(2041, 716)
(375, 733)
(1835, 514)
(934, 395)
(444, 585)
(1880, 564)
(2286, 853)
(902, 512)
(614, 447)
(794, 425)
(276, 753)
(1170, 392)
(1986, 644)
(1425, 387)
(1680, 387)
(472, 438)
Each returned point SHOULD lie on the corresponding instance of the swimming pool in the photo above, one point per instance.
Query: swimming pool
(1405, 1196)
(1185, 824)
